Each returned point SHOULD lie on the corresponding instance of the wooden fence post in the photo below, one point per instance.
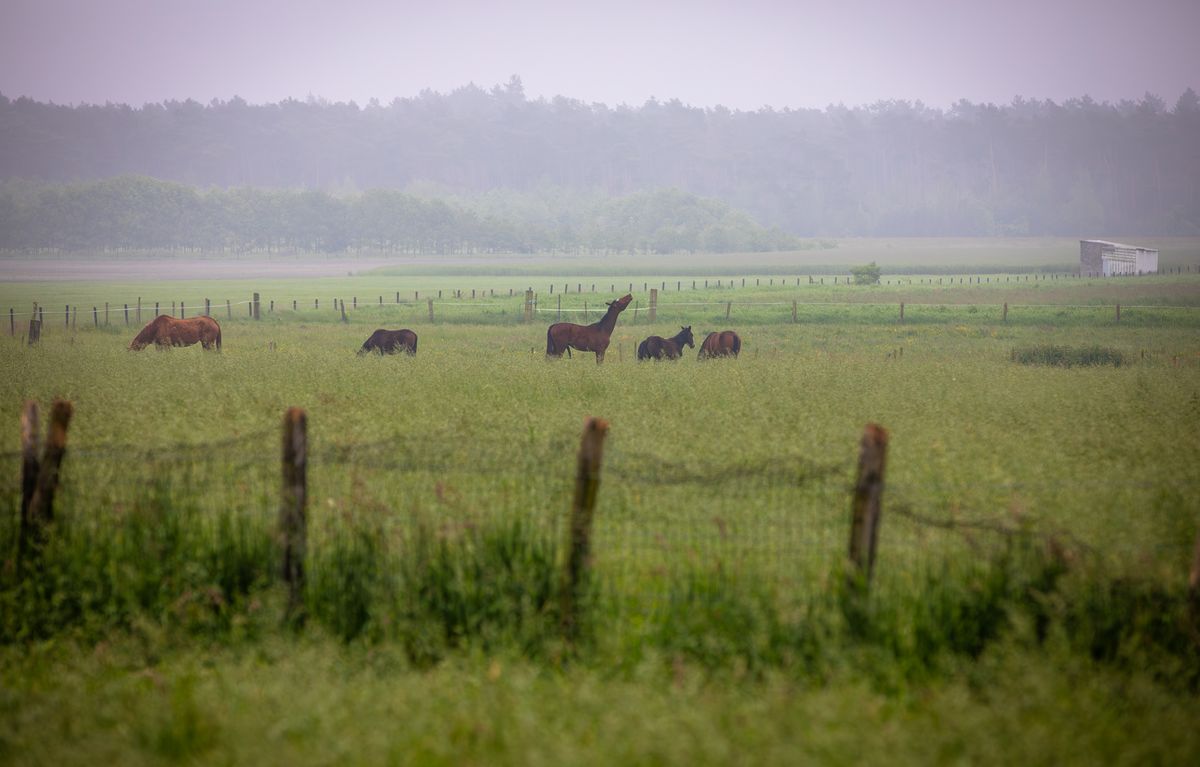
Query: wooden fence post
(155, 308)
(728, 307)
(1005, 318)
(653, 304)
(29, 471)
(868, 492)
(344, 318)
(293, 534)
(138, 316)
(257, 315)
(35, 328)
(105, 314)
(228, 309)
(793, 311)
(529, 305)
(1118, 312)
(902, 311)
(95, 318)
(41, 504)
(587, 485)
(558, 317)
(431, 311)
(182, 311)
(67, 321)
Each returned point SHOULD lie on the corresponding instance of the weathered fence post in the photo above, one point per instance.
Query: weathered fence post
(653, 304)
(35, 327)
(126, 314)
(95, 318)
(793, 311)
(228, 309)
(105, 314)
(344, 317)
(868, 492)
(353, 302)
(257, 315)
(138, 315)
(558, 316)
(1118, 312)
(207, 308)
(585, 312)
(29, 470)
(155, 310)
(636, 306)
(172, 308)
(293, 535)
(431, 310)
(529, 305)
(1005, 311)
(67, 321)
(182, 311)
(587, 485)
(41, 504)
(728, 307)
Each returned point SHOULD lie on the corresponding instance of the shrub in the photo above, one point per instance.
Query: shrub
(1068, 356)
(868, 274)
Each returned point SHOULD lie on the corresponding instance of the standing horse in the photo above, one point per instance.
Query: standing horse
(657, 347)
(565, 336)
(723, 344)
(390, 342)
(164, 331)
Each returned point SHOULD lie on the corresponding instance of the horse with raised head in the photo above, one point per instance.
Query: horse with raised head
(165, 331)
(659, 348)
(565, 336)
(723, 344)
(390, 342)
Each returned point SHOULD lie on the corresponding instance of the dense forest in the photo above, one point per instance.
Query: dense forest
(894, 168)
(139, 213)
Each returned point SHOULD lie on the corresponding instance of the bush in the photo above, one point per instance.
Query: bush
(1068, 356)
(867, 274)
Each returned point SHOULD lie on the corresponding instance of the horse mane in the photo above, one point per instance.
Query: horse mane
(149, 334)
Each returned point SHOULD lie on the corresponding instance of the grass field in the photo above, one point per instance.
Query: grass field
(1028, 603)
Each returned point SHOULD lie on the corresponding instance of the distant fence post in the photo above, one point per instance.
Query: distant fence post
(12, 322)
(41, 504)
(1005, 318)
(587, 484)
(155, 309)
(293, 534)
(105, 314)
(653, 304)
(182, 311)
(67, 321)
(228, 309)
(257, 314)
(138, 316)
(344, 317)
(35, 326)
(728, 307)
(431, 310)
(558, 317)
(95, 318)
(529, 305)
(902, 311)
(793, 311)
(207, 308)
(1118, 312)
(868, 493)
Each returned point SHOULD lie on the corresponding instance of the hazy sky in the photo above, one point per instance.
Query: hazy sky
(741, 54)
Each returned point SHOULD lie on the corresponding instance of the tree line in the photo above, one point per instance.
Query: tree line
(140, 213)
(892, 168)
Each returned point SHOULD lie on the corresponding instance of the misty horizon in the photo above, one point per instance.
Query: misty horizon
(745, 57)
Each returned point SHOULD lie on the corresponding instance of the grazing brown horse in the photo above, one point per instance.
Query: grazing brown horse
(164, 331)
(723, 344)
(658, 348)
(390, 342)
(565, 336)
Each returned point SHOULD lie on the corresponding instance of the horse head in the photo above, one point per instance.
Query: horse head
(623, 302)
(685, 336)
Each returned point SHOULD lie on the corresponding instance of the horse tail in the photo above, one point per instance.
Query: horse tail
(412, 351)
(643, 352)
(737, 344)
(218, 338)
(550, 341)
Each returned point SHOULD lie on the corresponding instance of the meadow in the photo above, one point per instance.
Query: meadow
(1028, 602)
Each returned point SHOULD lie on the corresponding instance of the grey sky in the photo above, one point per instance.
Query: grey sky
(741, 54)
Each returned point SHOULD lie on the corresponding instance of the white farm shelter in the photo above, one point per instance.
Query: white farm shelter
(1101, 258)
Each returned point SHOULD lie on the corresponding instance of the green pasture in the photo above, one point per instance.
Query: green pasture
(1038, 528)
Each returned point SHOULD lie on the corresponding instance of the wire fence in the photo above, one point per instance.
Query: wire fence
(781, 519)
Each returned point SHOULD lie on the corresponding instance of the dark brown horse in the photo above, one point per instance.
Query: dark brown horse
(164, 331)
(565, 336)
(659, 348)
(390, 342)
(723, 344)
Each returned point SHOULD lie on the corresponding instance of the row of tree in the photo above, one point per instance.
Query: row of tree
(139, 213)
(1029, 167)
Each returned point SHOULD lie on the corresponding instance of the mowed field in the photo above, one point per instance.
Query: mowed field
(718, 631)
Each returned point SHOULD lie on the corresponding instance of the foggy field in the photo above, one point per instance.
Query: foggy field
(438, 491)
